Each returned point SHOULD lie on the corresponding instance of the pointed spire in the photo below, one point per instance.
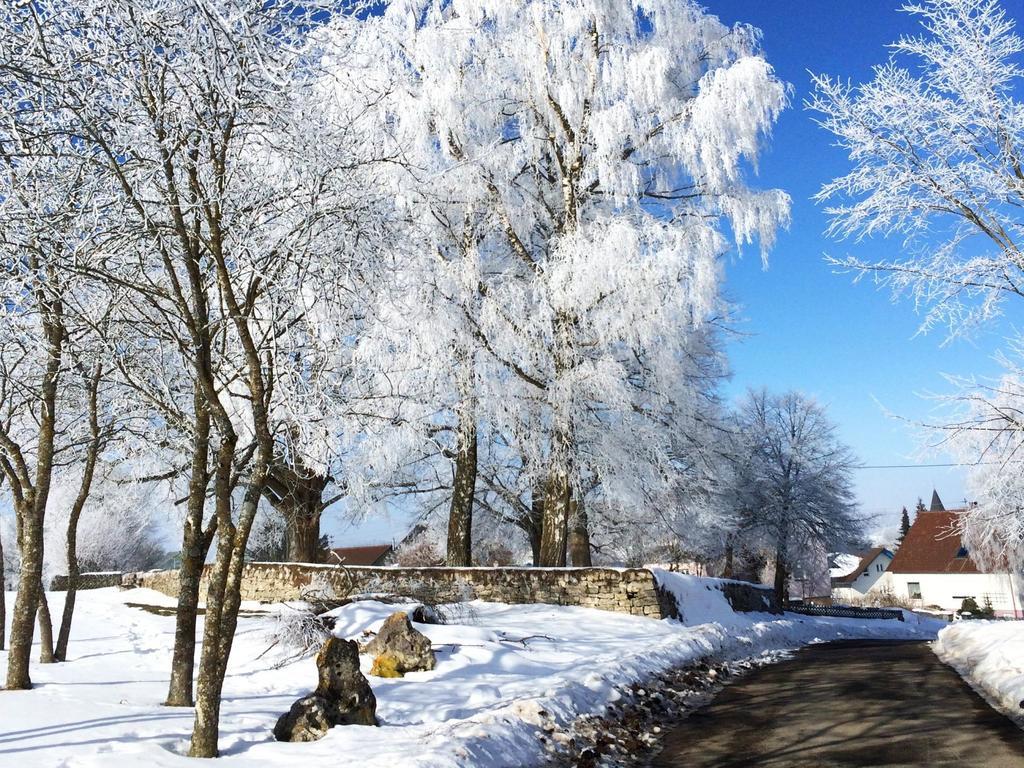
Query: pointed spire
(936, 503)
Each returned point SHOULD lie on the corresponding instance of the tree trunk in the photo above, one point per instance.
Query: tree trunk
(3, 598)
(728, 568)
(558, 489)
(579, 536)
(183, 659)
(26, 604)
(533, 523)
(61, 651)
(297, 495)
(460, 514)
(554, 531)
(781, 571)
(84, 487)
(46, 655)
(222, 603)
(195, 545)
(304, 535)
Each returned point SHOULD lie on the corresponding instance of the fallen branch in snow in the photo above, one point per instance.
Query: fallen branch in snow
(522, 640)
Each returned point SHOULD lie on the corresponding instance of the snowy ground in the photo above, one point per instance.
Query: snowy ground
(504, 675)
(990, 656)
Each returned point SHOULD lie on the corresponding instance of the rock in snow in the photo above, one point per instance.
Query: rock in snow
(400, 648)
(342, 697)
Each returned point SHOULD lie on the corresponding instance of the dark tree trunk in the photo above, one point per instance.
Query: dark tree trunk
(728, 568)
(460, 514)
(63, 636)
(195, 545)
(61, 651)
(297, 495)
(304, 535)
(579, 536)
(781, 571)
(533, 524)
(46, 655)
(781, 579)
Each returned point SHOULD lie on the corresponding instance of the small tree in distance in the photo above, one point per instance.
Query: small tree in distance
(797, 476)
(904, 527)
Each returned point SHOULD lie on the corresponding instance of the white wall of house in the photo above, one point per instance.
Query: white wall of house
(875, 570)
(948, 590)
(865, 580)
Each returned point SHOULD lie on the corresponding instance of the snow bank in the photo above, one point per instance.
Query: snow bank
(700, 599)
(507, 677)
(990, 656)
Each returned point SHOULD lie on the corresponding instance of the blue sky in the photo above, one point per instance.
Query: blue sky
(811, 329)
(804, 326)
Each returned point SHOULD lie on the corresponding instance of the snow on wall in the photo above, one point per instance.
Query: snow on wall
(637, 591)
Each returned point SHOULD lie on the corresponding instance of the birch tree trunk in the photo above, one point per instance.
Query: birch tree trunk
(554, 532)
(460, 513)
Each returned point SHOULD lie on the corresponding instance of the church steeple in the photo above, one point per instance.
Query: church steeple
(936, 505)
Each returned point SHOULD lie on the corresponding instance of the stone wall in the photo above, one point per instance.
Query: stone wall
(88, 581)
(633, 590)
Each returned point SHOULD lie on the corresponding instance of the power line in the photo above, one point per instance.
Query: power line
(916, 466)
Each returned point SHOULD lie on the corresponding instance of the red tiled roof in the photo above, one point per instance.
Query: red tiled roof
(369, 555)
(866, 558)
(931, 546)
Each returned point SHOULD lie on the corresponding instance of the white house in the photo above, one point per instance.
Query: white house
(933, 568)
(870, 568)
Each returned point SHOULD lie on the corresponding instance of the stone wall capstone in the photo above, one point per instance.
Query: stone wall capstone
(631, 590)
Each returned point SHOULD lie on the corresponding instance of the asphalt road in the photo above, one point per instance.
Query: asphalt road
(847, 704)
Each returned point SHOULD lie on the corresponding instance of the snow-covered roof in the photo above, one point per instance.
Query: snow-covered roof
(862, 564)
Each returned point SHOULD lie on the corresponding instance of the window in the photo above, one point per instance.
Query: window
(962, 552)
(914, 590)
(878, 567)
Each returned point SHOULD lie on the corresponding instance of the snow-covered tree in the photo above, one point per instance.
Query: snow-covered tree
(936, 140)
(52, 201)
(205, 115)
(795, 474)
(583, 161)
(986, 432)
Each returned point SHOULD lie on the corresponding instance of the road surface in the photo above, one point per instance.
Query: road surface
(847, 704)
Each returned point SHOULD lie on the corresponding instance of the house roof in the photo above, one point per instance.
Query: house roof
(368, 555)
(931, 546)
(866, 558)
